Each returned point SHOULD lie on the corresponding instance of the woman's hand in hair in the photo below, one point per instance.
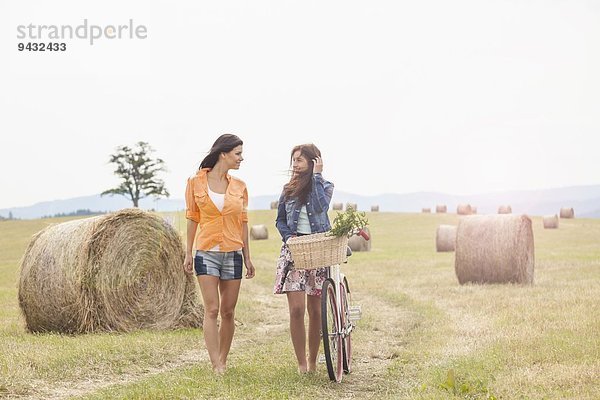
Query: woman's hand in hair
(317, 165)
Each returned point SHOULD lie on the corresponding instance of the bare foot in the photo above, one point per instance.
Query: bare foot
(302, 369)
(219, 369)
(312, 367)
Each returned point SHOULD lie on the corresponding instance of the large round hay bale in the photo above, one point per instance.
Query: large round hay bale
(441, 208)
(358, 243)
(550, 221)
(463, 209)
(116, 272)
(274, 205)
(567, 212)
(259, 232)
(351, 206)
(494, 249)
(426, 210)
(505, 209)
(338, 206)
(445, 238)
(375, 208)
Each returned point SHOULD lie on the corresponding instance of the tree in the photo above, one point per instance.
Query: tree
(138, 170)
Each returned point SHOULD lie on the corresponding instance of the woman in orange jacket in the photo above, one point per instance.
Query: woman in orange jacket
(217, 202)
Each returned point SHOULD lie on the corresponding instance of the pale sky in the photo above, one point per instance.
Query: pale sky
(461, 97)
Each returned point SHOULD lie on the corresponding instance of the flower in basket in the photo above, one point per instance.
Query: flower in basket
(349, 223)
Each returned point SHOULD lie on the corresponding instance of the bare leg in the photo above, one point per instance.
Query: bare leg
(313, 304)
(229, 296)
(210, 296)
(297, 306)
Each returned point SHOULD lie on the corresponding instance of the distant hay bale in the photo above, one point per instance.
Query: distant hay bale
(550, 221)
(375, 208)
(463, 209)
(338, 206)
(351, 206)
(567, 212)
(505, 210)
(358, 243)
(445, 238)
(274, 205)
(494, 249)
(441, 208)
(259, 232)
(426, 210)
(116, 272)
(473, 210)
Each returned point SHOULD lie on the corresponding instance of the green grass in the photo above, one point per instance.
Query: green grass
(422, 335)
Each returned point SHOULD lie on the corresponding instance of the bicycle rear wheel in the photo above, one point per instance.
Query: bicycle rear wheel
(347, 337)
(332, 339)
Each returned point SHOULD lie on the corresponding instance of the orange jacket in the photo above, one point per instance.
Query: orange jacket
(223, 228)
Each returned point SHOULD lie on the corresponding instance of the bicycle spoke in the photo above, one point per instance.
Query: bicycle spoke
(347, 330)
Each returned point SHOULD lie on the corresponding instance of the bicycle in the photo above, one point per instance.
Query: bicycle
(338, 316)
(338, 320)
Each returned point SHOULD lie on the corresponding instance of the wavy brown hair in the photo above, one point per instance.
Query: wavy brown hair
(300, 184)
(224, 144)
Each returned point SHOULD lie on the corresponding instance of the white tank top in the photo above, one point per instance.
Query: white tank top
(219, 200)
(303, 221)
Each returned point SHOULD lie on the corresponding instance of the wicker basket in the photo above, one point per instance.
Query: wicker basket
(317, 250)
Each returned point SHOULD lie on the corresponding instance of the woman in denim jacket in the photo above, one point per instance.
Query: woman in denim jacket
(302, 210)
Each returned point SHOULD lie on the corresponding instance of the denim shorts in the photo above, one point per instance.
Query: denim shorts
(224, 265)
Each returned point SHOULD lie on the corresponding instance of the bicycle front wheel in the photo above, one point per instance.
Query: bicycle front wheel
(332, 338)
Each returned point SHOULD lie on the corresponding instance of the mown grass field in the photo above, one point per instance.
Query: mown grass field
(422, 335)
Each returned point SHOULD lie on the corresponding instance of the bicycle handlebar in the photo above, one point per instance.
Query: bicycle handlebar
(364, 234)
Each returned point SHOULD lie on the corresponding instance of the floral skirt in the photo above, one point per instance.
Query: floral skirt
(288, 279)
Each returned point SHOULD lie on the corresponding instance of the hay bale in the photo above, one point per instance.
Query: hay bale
(259, 232)
(567, 212)
(338, 206)
(463, 209)
(375, 208)
(441, 209)
(274, 205)
(351, 206)
(426, 210)
(505, 209)
(116, 272)
(358, 243)
(445, 238)
(495, 249)
(550, 221)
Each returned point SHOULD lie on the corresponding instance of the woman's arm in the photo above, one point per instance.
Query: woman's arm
(324, 192)
(192, 226)
(246, 252)
(281, 221)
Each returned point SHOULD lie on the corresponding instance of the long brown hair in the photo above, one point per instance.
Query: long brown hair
(224, 144)
(300, 184)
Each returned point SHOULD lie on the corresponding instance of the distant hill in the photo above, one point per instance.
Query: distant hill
(584, 199)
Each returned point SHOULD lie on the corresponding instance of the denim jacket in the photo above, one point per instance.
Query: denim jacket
(316, 208)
